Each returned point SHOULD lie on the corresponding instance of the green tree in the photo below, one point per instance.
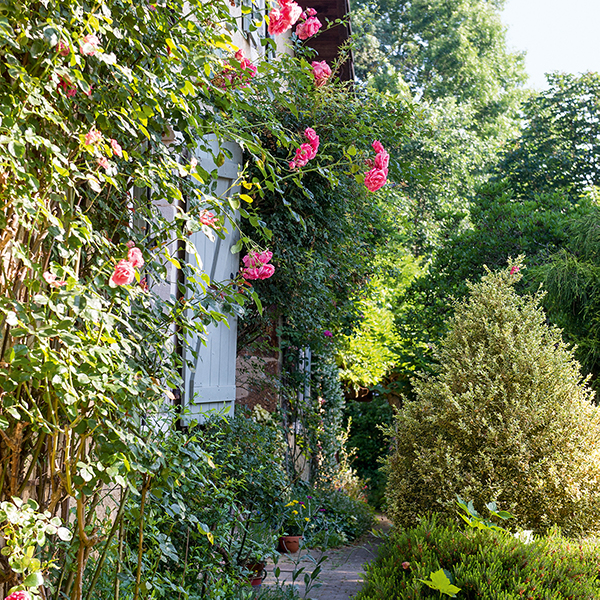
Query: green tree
(443, 48)
(559, 147)
(505, 417)
(572, 279)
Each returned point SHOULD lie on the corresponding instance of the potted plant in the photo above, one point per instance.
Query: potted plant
(297, 517)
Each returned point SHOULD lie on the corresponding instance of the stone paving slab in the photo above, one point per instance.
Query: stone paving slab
(341, 571)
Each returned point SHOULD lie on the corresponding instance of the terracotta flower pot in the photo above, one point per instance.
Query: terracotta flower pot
(258, 574)
(289, 543)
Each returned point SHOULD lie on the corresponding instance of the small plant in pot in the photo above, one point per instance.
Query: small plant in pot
(254, 548)
(297, 517)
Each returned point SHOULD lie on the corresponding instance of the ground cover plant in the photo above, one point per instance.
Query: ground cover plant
(483, 564)
(506, 416)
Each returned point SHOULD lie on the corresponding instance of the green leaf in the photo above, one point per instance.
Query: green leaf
(34, 580)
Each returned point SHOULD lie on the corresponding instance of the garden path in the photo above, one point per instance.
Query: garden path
(341, 571)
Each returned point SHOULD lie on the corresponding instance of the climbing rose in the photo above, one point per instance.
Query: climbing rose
(67, 87)
(375, 179)
(63, 49)
(51, 280)
(130, 244)
(313, 139)
(308, 28)
(266, 271)
(321, 72)
(103, 162)
(304, 154)
(208, 218)
(327, 333)
(282, 19)
(116, 148)
(256, 265)
(250, 273)
(89, 45)
(256, 259)
(378, 146)
(134, 256)
(382, 160)
(93, 136)
(124, 273)
(514, 270)
(245, 64)
(19, 596)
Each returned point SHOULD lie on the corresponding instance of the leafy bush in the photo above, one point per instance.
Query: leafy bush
(483, 564)
(209, 512)
(335, 518)
(506, 417)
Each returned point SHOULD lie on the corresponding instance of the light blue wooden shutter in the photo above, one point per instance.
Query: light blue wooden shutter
(210, 383)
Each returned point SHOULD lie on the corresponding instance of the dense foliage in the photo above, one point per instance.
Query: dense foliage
(115, 118)
(506, 404)
(483, 564)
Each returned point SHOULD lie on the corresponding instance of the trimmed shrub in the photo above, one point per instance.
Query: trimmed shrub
(485, 565)
(505, 417)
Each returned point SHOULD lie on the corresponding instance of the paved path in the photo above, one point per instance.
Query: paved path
(340, 572)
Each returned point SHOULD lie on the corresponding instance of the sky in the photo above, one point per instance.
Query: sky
(558, 35)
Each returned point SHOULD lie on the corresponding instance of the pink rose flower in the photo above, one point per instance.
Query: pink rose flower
(382, 160)
(116, 148)
(130, 244)
(304, 154)
(134, 256)
(63, 49)
(327, 333)
(311, 12)
(250, 273)
(50, 279)
(264, 257)
(266, 271)
(293, 11)
(378, 146)
(282, 19)
(278, 22)
(103, 162)
(124, 273)
(22, 595)
(405, 565)
(313, 139)
(245, 64)
(256, 259)
(93, 136)
(308, 28)
(375, 179)
(67, 87)
(89, 45)
(514, 270)
(256, 265)
(207, 218)
(292, 165)
(321, 72)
